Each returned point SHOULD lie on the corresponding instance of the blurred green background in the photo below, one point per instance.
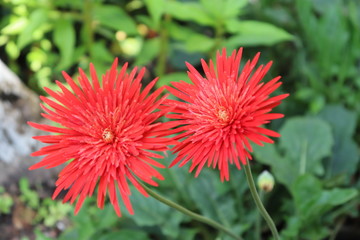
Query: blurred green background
(315, 46)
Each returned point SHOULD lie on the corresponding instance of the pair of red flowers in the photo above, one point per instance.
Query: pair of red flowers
(110, 130)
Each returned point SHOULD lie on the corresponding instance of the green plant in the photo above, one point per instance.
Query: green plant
(6, 201)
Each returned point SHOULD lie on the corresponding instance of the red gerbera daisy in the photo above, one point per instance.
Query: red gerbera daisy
(108, 133)
(223, 112)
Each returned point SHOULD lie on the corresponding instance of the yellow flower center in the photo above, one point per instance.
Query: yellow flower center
(223, 115)
(108, 135)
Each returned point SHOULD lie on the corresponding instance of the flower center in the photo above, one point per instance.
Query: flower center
(223, 115)
(108, 135)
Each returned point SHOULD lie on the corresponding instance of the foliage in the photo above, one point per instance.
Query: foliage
(6, 202)
(47, 211)
(315, 46)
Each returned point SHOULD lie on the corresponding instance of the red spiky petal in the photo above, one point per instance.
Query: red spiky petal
(223, 111)
(108, 131)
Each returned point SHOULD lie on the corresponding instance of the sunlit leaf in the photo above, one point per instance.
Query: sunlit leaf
(36, 19)
(253, 33)
(224, 9)
(193, 41)
(189, 11)
(156, 9)
(64, 39)
(115, 18)
(150, 49)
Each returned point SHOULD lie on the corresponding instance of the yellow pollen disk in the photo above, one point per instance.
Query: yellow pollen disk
(108, 136)
(223, 115)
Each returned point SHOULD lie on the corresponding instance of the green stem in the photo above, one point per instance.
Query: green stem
(303, 158)
(164, 47)
(219, 34)
(88, 29)
(337, 228)
(258, 219)
(190, 213)
(258, 202)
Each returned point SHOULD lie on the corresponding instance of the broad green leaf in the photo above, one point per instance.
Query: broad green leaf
(291, 231)
(150, 49)
(64, 39)
(215, 8)
(15, 27)
(306, 141)
(266, 154)
(342, 121)
(312, 201)
(283, 168)
(199, 43)
(179, 55)
(172, 77)
(221, 10)
(178, 179)
(115, 18)
(101, 56)
(233, 7)
(207, 199)
(345, 157)
(189, 11)
(83, 227)
(150, 212)
(106, 217)
(188, 234)
(125, 234)
(156, 9)
(193, 41)
(253, 33)
(36, 19)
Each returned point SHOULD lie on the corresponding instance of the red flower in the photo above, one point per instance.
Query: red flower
(223, 112)
(108, 133)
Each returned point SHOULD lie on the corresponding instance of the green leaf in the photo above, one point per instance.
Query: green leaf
(30, 197)
(156, 9)
(172, 77)
(266, 154)
(306, 141)
(254, 33)
(188, 234)
(312, 201)
(224, 9)
(193, 41)
(233, 7)
(189, 11)
(150, 49)
(284, 169)
(64, 39)
(115, 18)
(101, 56)
(36, 19)
(125, 234)
(341, 120)
(345, 157)
(179, 56)
(205, 195)
(15, 27)
(150, 212)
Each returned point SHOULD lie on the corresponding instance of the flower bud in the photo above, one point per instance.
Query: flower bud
(266, 181)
